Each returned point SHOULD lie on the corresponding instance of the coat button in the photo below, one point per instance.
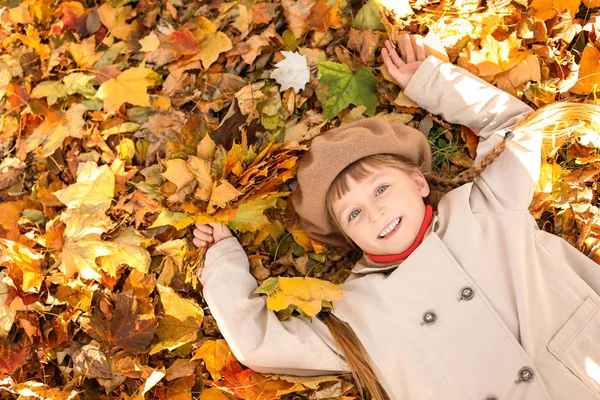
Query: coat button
(466, 293)
(525, 374)
(429, 317)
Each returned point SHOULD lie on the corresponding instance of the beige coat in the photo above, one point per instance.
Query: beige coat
(487, 307)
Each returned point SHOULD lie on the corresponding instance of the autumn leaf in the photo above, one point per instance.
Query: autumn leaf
(308, 294)
(546, 9)
(126, 249)
(120, 324)
(129, 87)
(215, 354)
(23, 265)
(93, 190)
(347, 87)
(181, 322)
(249, 385)
(589, 72)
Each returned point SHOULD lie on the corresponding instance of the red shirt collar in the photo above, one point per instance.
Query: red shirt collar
(387, 258)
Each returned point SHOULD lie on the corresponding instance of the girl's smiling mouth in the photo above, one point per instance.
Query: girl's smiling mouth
(391, 229)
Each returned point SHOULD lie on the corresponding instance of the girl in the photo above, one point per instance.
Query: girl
(470, 302)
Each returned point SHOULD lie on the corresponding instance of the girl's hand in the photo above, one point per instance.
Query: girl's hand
(205, 234)
(399, 69)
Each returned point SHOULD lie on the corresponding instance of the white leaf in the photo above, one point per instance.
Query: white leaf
(292, 72)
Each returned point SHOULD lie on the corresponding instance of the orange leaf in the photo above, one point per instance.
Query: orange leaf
(471, 139)
(324, 15)
(248, 384)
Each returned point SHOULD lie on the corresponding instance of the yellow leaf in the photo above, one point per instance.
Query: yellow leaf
(93, 190)
(149, 43)
(546, 9)
(83, 243)
(7, 315)
(215, 394)
(215, 354)
(201, 170)
(127, 250)
(589, 72)
(549, 173)
(84, 53)
(129, 87)
(23, 264)
(591, 3)
(248, 98)
(181, 322)
(307, 294)
(212, 42)
(9, 213)
(115, 19)
(222, 193)
(178, 173)
(526, 71)
(206, 148)
(496, 57)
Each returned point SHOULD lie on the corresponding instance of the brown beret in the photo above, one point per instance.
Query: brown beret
(337, 148)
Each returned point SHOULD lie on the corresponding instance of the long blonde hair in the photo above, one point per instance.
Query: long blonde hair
(557, 123)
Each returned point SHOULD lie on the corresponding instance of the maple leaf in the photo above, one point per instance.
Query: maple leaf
(347, 87)
(250, 216)
(115, 19)
(215, 354)
(181, 322)
(308, 294)
(57, 126)
(212, 42)
(292, 72)
(249, 385)
(13, 355)
(93, 190)
(7, 315)
(121, 325)
(369, 17)
(589, 72)
(126, 249)
(495, 57)
(23, 264)
(297, 12)
(546, 9)
(129, 87)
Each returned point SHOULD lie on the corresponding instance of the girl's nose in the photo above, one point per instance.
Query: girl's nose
(375, 214)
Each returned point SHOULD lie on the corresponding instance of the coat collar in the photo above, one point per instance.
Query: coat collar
(366, 266)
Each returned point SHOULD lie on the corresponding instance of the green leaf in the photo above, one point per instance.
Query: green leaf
(267, 286)
(347, 87)
(250, 217)
(369, 17)
(51, 90)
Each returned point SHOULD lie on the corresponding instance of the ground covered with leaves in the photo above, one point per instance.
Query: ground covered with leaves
(124, 122)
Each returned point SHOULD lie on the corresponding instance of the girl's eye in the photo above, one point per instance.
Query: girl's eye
(353, 215)
(381, 189)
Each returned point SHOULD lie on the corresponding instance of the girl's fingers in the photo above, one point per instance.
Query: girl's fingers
(396, 60)
(408, 48)
(204, 228)
(199, 243)
(420, 48)
(207, 237)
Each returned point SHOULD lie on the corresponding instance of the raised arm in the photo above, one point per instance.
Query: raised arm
(256, 336)
(462, 98)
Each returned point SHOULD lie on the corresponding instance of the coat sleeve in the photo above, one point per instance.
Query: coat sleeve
(462, 98)
(256, 336)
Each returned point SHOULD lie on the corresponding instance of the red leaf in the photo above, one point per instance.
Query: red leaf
(471, 139)
(13, 355)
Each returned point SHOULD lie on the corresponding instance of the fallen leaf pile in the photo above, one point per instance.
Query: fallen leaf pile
(125, 122)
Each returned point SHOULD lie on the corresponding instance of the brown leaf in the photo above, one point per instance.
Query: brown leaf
(120, 324)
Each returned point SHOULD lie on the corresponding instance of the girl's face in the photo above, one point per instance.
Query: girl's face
(383, 214)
